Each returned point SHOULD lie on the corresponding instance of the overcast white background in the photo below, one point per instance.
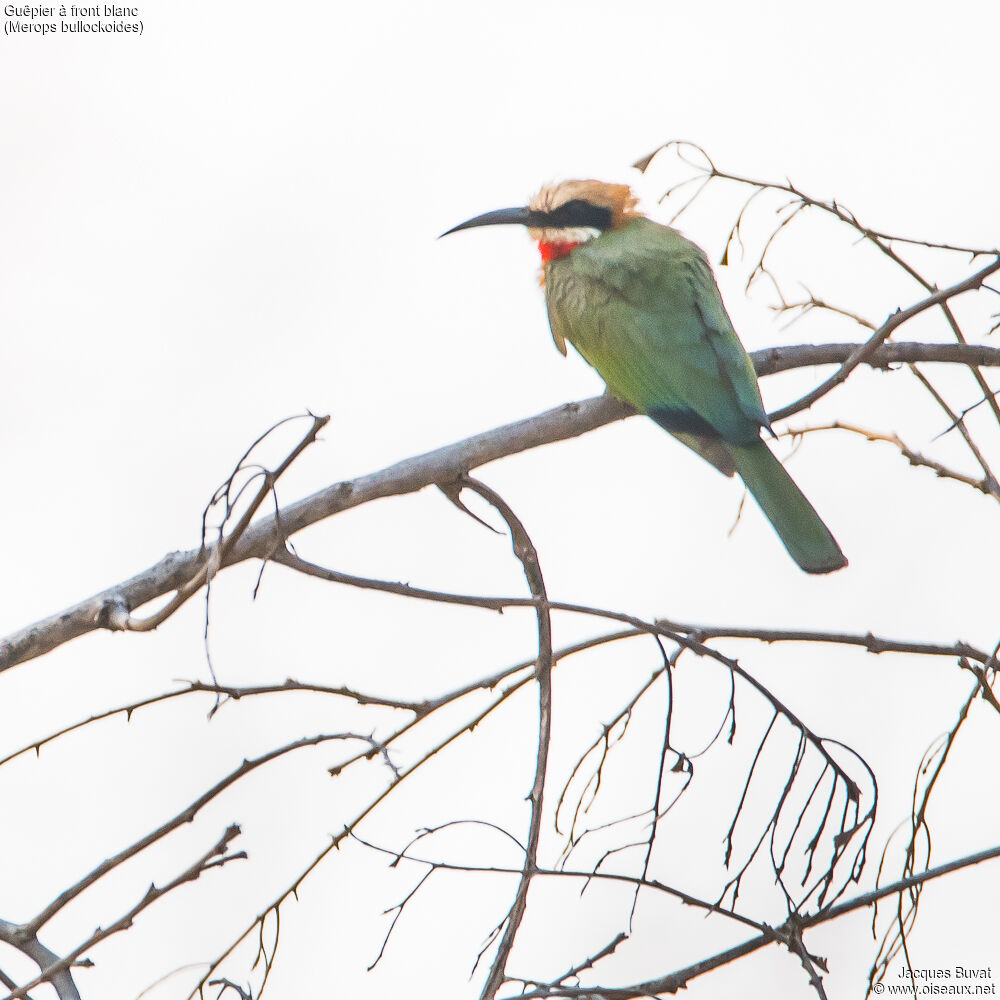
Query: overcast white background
(233, 217)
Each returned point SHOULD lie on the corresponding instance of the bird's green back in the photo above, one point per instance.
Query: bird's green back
(641, 305)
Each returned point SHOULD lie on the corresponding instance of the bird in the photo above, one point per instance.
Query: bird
(639, 302)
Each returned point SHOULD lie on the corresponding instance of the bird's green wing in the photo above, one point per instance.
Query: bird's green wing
(641, 305)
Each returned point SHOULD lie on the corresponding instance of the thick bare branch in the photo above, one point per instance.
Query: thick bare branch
(25, 940)
(110, 608)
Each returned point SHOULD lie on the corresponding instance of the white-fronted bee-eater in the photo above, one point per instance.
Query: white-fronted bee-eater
(639, 302)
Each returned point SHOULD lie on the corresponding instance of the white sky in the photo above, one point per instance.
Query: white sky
(233, 217)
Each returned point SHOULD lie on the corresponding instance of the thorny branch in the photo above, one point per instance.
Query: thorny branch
(261, 539)
(676, 981)
(569, 874)
(526, 554)
(26, 941)
(57, 970)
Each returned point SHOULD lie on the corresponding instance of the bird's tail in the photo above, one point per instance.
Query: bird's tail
(804, 534)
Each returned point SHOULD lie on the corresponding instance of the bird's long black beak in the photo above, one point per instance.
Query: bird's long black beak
(502, 217)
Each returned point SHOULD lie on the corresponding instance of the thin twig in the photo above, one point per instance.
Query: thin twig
(915, 458)
(957, 422)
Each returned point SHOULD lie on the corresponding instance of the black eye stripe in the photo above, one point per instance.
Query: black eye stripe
(579, 214)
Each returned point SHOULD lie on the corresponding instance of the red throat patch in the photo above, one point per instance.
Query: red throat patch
(554, 251)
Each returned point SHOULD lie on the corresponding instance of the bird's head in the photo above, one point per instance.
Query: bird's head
(564, 215)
